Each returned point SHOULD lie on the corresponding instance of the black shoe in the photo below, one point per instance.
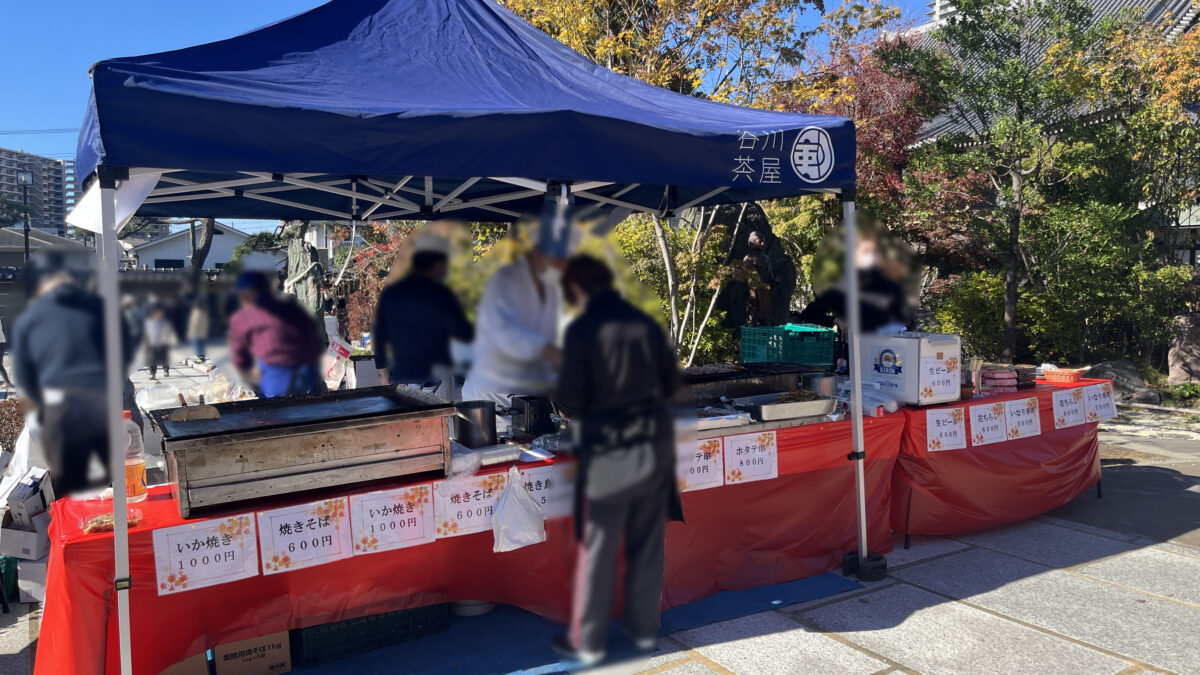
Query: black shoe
(570, 655)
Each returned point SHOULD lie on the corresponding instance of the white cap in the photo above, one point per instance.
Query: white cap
(431, 243)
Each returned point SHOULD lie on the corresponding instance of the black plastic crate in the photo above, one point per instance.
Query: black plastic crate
(343, 639)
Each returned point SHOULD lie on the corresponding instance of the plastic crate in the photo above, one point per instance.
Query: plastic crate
(343, 639)
(8, 570)
(791, 343)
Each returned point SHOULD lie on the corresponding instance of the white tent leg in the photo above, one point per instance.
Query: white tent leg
(115, 368)
(856, 414)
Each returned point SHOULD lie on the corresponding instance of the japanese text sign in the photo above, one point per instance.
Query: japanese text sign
(306, 535)
(465, 505)
(1098, 402)
(205, 553)
(392, 519)
(751, 457)
(945, 429)
(553, 488)
(988, 424)
(1068, 408)
(1023, 418)
(940, 377)
(700, 464)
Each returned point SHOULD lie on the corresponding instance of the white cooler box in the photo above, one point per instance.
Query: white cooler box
(914, 368)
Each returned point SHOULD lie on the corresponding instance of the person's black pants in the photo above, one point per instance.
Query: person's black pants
(159, 356)
(73, 431)
(642, 520)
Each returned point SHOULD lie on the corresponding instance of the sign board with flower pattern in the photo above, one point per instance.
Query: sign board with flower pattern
(1068, 408)
(940, 378)
(945, 429)
(751, 457)
(988, 424)
(205, 553)
(305, 535)
(465, 505)
(1023, 418)
(386, 520)
(552, 487)
(1098, 402)
(699, 464)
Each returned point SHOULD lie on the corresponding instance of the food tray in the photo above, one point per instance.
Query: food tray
(766, 410)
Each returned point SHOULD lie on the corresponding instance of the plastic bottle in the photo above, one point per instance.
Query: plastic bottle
(135, 462)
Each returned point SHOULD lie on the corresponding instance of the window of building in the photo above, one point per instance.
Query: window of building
(168, 263)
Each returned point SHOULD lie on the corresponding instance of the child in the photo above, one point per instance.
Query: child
(160, 337)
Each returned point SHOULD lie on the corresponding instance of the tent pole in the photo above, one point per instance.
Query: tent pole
(114, 382)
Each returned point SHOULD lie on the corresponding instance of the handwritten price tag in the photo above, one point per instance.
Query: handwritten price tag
(1098, 402)
(1023, 418)
(699, 465)
(390, 519)
(295, 537)
(553, 488)
(751, 457)
(465, 505)
(1068, 408)
(207, 553)
(945, 429)
(940, 378)
(988, 424)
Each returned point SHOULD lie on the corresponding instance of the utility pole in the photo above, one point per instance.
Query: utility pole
(25, 178)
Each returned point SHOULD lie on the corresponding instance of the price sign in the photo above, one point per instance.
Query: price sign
(1023, 418)
(307, 535)
(1098, 402)
(392, 519)
(207, 553)
(988, 424)
(945, 429)
(1068, 408)
(465, 505)
(699, 464)
(751, 457)
(940, 377)
(553, 488)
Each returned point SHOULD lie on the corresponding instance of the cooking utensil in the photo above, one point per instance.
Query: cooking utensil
(475, 423)
(766, 409)
(822, 383)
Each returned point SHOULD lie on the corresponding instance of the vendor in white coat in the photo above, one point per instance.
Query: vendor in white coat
(516, 329)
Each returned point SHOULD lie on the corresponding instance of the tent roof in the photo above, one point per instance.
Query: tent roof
(414, 108)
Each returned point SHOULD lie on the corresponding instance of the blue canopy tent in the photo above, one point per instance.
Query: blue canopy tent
(418, 109)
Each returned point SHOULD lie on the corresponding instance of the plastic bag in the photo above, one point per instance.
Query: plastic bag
(517, 521)
(337, 358)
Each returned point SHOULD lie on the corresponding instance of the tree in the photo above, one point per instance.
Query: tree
(13, 212)
(989, 69)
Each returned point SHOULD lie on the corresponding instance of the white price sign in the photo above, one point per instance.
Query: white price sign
(1068, 408)
(1024, 418)
(945, 429)
(392, 519)
(988, 424)
(553, 488)
(699, 464)
(207, 553)
(465, 505)
(751, 457)
(940, 377)
(1098, 402)
(307, 535)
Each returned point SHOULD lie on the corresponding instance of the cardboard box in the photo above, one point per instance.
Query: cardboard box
(267, 655)
(193, 665)
(31, 580)
(31, 496)
(26, 545)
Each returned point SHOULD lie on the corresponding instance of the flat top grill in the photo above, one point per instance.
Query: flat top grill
(259, 414)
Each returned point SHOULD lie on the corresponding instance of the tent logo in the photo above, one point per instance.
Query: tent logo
(812, 155)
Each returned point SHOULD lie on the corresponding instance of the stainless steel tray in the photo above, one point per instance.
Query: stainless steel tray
(766, 410)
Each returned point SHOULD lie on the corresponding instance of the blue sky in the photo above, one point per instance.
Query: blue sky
(48, 46)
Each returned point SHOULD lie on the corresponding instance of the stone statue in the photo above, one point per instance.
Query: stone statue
(759, 309)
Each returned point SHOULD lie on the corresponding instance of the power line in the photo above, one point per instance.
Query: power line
(32, 132)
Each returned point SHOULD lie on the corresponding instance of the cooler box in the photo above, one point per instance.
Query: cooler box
(912, 367)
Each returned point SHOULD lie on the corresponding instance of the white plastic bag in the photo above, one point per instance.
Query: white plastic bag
(337, 358)
(517, 521)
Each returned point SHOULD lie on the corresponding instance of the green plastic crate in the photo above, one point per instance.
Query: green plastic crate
(791, 343)
(343, 639)
(8, 569)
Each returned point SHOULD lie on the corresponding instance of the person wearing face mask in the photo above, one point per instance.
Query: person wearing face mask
(883, 305)
(516, 327)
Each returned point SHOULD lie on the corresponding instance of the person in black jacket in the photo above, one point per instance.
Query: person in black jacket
(618, 373)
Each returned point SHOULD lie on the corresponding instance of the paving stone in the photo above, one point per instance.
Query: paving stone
(868, 587)
(1048, 544)
(1156, 631)
(769, 643)
(930, 634)
(689, 668)
(922, 547)
(1164, 573)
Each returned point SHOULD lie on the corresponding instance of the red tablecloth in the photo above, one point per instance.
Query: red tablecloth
(737, 536)
(977, 488)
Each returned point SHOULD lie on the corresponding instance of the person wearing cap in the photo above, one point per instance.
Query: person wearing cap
(274, 342)
(415, 319)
